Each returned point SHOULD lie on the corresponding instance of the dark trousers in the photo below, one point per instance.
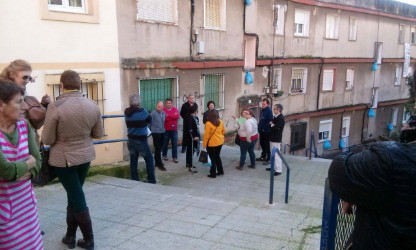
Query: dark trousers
(189, 149)
(216, 163)
(247, 147)
(158, 144)
(265, 145)
(72, 179)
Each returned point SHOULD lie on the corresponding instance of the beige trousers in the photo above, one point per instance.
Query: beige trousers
(277, 160)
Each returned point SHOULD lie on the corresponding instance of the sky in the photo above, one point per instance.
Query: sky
(412, 2)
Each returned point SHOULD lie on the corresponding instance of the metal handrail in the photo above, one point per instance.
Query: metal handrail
(315, 153)
(292, 149)
(276, 150)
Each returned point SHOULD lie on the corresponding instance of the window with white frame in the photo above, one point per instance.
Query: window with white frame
(214, 90)
(349, 79)
(299, 80)
(325, 130)
(346, 121)
(353, 29)
(75, 6)
(332, 26)
(279, 12)
(249, 52)
(401, 33)
(398, 75)
(378, 47)
(277, 78)
(328, 79)
(161, 11)
(215, 14)
(394, 113)
(413, 35)
(406, 115)
(301, 22)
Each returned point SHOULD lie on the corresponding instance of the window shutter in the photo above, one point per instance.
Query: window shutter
(299, 16)
(154, 90)
(212, 14)
(328, 79)
(160, 11)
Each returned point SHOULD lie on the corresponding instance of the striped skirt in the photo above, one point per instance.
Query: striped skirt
(19, 223)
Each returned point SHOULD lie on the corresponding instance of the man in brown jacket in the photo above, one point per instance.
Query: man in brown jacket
(71, 123)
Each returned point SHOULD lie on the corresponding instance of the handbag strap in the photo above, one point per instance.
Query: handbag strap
(211, 136)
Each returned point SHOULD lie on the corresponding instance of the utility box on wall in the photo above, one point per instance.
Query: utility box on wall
(200, 47)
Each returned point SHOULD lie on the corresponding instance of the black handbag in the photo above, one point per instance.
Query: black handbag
(46, 173)
(237, 140)
(203, 156)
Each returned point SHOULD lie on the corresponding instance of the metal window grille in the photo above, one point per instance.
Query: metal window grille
(298, 135)
(297, 80)
(164, 11)
(154, 90)
(214, 90)
(345, 225)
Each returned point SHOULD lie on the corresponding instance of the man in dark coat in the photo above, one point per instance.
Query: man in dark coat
(191, 135)
(276, 130)
(381, 182)
(184, 112)
(266, 116)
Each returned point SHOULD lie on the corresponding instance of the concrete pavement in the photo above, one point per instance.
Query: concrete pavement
(192, 211)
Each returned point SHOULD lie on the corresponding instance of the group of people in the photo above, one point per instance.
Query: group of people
(162, 124)
(69, 124)
(269, 130)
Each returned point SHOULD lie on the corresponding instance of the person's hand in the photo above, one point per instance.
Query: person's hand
(346, 207)
(27, 176)
(31, 162)
(249, 141)
(234, 117)
(46, 99)
(196, 139)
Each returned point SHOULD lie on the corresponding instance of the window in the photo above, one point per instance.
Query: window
(325, 129)
(298, 135)
(349, 79)
(161, 11)
(277, 78)
(279, 19)
(346, 126)
(249, 52)
(406, 115)
(353, 29)
(328, 80)
(378, 52)
(301, 22)
(401, 33)
(398, 75)
(394, 113)
(299, 76)
(214, 90)
(75, 6)
(214, 14)
(413, 35)
(153, 90)
(332, 26)
(375, 98)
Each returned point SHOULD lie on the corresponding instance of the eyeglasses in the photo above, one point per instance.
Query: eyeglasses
(27, 78)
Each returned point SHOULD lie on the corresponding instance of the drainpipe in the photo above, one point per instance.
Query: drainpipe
(319, 84)
(192, 41)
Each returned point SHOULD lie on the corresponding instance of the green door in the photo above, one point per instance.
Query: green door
(154, 90)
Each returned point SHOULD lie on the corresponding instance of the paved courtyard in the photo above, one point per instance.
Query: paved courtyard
(192, 211)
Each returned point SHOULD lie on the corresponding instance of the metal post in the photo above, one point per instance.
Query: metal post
(272, 176)
(329, 219)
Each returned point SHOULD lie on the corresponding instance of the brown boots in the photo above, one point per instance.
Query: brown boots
(83, 220)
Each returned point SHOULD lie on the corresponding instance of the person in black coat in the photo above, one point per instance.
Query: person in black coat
(276, 125)
(191, 134)
(381, 183)
(184, 112)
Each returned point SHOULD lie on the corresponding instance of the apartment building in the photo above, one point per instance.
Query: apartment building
(316, 58)
(56, 35)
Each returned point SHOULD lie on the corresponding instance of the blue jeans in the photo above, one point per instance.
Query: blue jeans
(244, 147)
(173, 136)
(136, 148)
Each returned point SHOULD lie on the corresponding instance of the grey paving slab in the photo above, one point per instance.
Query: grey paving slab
(185, 211)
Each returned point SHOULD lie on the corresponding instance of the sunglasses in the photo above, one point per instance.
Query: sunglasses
(27, 78)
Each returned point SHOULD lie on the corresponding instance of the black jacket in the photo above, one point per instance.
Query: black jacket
(185, 109)
(190, 128)
(277, 130)
(205, 116)
(381, 181)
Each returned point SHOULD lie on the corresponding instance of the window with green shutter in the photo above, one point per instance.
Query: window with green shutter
(214, 90)
(154, 90)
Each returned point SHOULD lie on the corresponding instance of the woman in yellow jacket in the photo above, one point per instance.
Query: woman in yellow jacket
(213, 140)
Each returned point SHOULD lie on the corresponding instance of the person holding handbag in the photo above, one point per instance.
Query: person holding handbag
(213, 141)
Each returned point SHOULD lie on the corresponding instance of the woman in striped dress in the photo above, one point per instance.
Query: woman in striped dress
(19, 161)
